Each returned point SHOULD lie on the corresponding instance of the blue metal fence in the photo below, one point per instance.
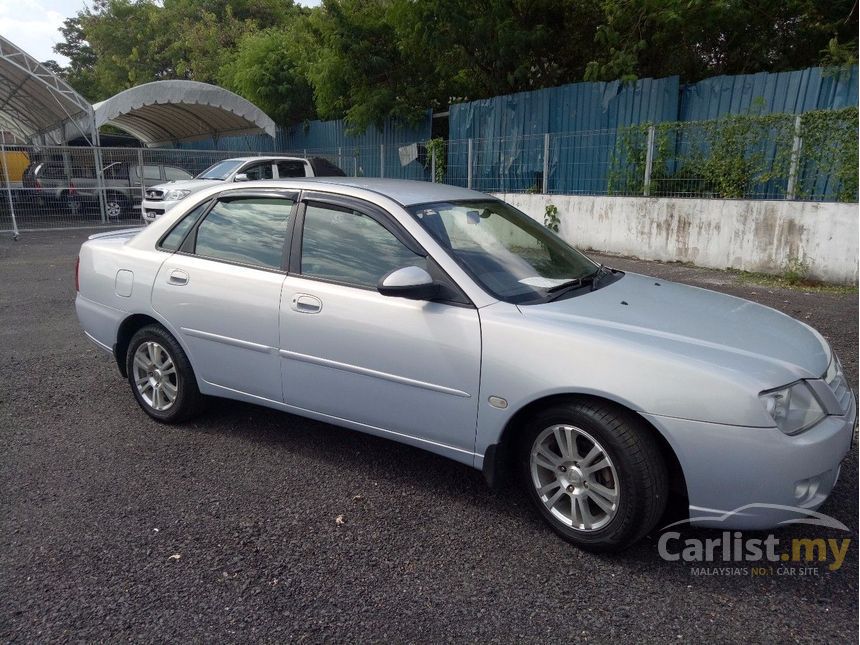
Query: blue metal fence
(507, 135)
(508, 146)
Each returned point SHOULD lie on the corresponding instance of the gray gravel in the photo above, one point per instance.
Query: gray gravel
(113, 527)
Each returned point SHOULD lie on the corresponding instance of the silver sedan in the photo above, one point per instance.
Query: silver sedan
(448, 320)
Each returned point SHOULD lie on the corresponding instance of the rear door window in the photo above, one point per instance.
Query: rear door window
(287, 168)
(247, 230)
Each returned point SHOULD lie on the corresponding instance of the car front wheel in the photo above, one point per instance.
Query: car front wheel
(595, 474)
(161, 377)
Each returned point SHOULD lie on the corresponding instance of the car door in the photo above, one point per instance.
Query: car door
(221, 291)
(395, 365)
(258, 170)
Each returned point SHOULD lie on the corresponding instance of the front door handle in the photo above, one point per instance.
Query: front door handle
(306, 304)
(178, 278)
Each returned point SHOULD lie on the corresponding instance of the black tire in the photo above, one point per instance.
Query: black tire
(639, 465)
(188, 401)
(117, 204)
(71, 204)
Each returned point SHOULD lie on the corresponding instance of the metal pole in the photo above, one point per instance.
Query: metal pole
(545, 187)
(433, 166)
(142, 175)
(796, 145)
(469, 166)
(100, 180)
(382, 160)
(5, 162)
(340, 157)
(649, 160)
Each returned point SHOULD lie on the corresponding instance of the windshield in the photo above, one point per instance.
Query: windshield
(512, 256)
(220, 170)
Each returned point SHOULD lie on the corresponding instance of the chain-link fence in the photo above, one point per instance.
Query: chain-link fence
(813, 157)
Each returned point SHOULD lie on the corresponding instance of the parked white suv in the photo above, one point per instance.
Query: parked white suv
(161, 198)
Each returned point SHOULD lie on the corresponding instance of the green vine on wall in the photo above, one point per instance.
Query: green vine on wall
(742, 155)
(436, 150)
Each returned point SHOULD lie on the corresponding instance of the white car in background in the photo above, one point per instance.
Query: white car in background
(163, 197)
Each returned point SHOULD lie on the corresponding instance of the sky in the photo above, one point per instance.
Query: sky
(34, 25)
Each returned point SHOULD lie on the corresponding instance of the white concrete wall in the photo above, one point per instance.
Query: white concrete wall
(752, 235)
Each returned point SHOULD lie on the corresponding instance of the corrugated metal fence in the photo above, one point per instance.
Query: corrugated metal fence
(502, 144)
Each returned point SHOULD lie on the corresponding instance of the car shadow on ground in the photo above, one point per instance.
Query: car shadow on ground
(373, 457)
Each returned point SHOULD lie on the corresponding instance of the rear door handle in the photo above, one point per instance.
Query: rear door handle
(178, 278)
(306, 304)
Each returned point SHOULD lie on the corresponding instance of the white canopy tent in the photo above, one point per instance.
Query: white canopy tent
(169, 112)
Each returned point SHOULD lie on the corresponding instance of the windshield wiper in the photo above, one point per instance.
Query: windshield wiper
(591, 279)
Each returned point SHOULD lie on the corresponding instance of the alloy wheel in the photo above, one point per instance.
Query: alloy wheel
(574, 477)
(155, 376)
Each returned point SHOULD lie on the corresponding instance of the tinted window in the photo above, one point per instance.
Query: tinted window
(291, 169)
(347, 246)
(220, 170)
(259, 171)
(116, 171)
(173, 240)
(171, 173)
(151, 172)
(250, 231)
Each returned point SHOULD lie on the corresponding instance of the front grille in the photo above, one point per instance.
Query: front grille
(155, 195)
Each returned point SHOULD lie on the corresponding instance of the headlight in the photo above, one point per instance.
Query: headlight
(173, 195)
(793, 408)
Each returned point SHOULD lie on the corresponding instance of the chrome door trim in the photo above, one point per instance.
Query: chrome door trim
(227, 340)
(346, 367)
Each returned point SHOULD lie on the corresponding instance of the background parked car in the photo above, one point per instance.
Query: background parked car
(160, 199)
(75, 188)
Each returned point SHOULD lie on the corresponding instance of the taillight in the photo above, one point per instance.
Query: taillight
(72, 189)
(38, 184)
(77, 274)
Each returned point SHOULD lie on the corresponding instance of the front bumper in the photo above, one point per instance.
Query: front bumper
(151, 210)
(756, 478)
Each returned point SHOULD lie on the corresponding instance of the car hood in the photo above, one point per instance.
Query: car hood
(186, 184)
(753, 340)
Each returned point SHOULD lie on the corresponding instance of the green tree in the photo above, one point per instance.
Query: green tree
(700, 38)
(266, 70)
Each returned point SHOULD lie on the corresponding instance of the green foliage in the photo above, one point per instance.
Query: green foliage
(796, 271)
(267, 71)
(700, 38)
(741, 155)
(367, 60)
(436, 152)
(550, 217)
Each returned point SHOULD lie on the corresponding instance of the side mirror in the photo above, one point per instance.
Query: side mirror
(240, 176)
(409, 282)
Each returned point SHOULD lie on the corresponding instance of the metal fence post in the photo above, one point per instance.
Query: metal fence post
(100, 179)
(5, 163)
(340, 157)
(649, 160)
(545, 187)
(142, 176)
(433, 166)
(469, 166)
(382, 160)
(797, 144)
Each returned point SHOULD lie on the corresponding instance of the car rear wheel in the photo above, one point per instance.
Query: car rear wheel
(161, 377)
(595, 474)
(116, 206)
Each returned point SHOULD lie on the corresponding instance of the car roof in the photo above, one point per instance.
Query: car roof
(405, 192)
(264, 158)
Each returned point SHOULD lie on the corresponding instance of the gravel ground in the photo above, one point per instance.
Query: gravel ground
(115, 528)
